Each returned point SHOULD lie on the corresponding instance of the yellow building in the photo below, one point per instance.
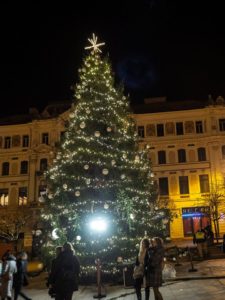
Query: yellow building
(187, 149)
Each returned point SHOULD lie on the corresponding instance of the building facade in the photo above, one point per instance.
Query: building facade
(186, 146)
(187, 150)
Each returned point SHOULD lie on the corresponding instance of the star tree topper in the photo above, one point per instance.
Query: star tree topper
(94, 44)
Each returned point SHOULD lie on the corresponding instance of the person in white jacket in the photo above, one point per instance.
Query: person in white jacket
(8, 269)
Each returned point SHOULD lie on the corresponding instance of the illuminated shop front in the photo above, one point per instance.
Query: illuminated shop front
(195, 218)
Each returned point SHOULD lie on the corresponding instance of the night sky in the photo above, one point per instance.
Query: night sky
(157, 48)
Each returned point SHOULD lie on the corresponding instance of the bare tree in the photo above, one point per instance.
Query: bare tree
(215, 199)
(12, 225)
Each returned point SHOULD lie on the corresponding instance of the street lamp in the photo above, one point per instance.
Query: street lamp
(98, 225)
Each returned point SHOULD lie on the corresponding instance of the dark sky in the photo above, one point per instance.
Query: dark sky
(157, 48)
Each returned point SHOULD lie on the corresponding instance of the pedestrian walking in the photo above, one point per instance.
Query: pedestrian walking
(8, 270)
(20, 278)
(200, 240)
(65, 273)
(140, 270)
(209, 235)
(155, 266)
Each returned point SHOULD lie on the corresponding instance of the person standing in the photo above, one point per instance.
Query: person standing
(155, 266)
(141, 263)
(58, 250)
(8, 270)
(65, 273)
(200, 239)
(20, 278)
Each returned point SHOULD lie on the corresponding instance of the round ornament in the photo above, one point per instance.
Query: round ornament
(113, 162)
(38, 232)
(72, 115)
(78, 96)
(82, 125)
(97, 133)
(41, 199)
(79, 87)
(119, 259)
(77, 193)
(106, 206)
(88, 181)
(88, 111)
(109, 129)
(78, 237)
(105, 171)
(66, 211)
(50, 196)
(137, 158)
(124, 155)
(132, 216)
(87, 139)
(86, 167)
(122, 176)
(65, 186)
(83, 69)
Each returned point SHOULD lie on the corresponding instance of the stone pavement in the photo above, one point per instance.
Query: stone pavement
(207, 283)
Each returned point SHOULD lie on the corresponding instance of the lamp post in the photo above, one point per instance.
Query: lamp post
(98, 225)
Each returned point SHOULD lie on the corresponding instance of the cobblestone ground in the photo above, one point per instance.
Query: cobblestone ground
(213, 289)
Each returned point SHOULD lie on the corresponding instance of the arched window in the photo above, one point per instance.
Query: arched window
(43, 164)
(5, 168)
(201, 154)
(181, 155)
(24, 167)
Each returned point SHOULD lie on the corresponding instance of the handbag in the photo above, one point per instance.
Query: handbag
(168, 271)
(138, 271)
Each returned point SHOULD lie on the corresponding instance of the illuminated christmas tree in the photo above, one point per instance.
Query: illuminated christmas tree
(101, 189)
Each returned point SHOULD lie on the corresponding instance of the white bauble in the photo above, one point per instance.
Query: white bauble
(113, 162)
(79, 87)
(66, 211)
(65, 186)
(86, 167)
(87, 139)
(88, 181)
(106, 206)
(41, 199)
(88, 111)
(83, 69)
(78, 96)
(137, 158)
(38, 232)
(54, 234)
(122, 176)
(109, 129)
(78, 237)
(72, 115)
(132, 216)
(105, 171)
(82, 125)
(119, 259)
(77, 193)
(97, 133)
(50, 196)
(124, 155)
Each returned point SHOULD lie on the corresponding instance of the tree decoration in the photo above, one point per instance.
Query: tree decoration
(97, 133)
(105, 171)
(113, 174)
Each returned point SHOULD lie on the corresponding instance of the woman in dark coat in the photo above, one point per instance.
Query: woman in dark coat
(156, 255)
(65, 274)
(142, 260)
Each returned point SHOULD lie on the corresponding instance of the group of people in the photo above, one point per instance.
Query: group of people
(150, 259)
(13, 275)
(63, 277)
(203, 238)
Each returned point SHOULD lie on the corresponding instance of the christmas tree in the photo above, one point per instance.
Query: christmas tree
(101, 193)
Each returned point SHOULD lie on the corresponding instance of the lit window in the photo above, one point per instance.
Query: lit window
(22, 196)
(4, 197)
